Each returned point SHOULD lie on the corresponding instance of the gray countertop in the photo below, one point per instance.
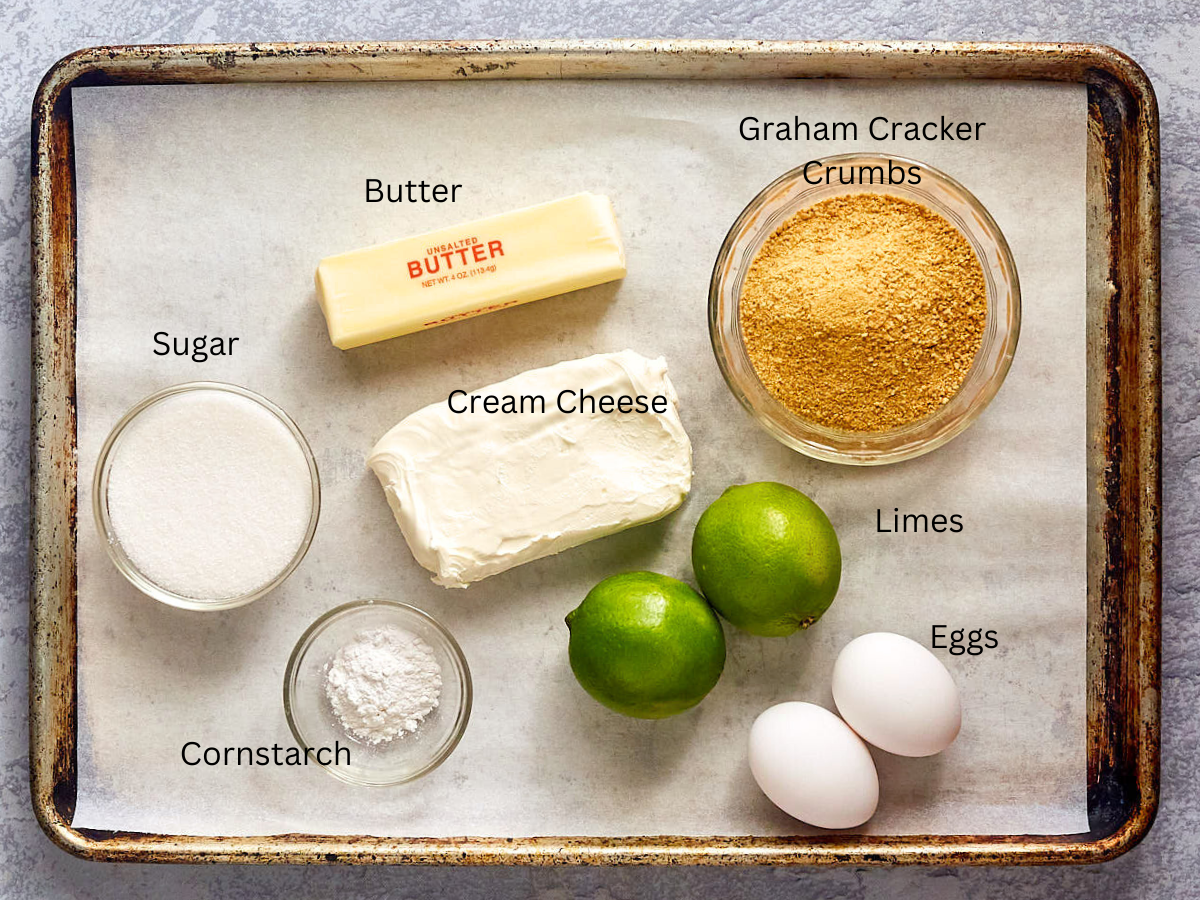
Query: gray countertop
(1161, 36)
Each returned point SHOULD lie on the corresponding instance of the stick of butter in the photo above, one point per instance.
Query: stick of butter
(478, 492)
(418, 282)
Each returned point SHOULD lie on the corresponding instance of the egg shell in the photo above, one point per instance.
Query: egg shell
(812, 766)
(897, 695)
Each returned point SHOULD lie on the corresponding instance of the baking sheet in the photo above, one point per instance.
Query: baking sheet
(203, 210)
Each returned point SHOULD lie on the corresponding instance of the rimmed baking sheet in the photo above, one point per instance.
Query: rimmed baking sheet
(1121, 440)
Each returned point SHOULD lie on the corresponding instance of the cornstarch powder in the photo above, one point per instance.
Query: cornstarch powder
(383, 684)
(864, 312)
(209, 494)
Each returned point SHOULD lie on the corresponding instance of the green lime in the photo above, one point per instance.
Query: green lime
(646, 645)
(767, 558)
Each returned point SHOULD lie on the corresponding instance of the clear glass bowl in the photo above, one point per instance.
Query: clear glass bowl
(112, 542)
(771, 208)
(310, 714)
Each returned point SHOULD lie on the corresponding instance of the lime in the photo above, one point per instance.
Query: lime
(767, 558)
(646, 645)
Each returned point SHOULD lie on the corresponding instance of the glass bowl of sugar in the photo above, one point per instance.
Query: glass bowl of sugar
(377, 692)
(864, 308)
(207, 495)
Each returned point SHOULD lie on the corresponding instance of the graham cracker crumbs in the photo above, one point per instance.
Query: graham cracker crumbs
(864, 312)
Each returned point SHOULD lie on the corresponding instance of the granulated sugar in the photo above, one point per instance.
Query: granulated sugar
(209, 494)
(383, 684)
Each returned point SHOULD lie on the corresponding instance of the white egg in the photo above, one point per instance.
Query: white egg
(812, 766)
(897, 695)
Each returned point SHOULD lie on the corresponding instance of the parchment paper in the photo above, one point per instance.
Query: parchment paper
(204, 210)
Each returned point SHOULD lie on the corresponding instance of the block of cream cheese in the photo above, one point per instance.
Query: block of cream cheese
(476, 493)
(443, 276)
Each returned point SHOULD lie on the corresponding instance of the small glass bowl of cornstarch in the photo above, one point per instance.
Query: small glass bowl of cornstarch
(207, 495)
(865, 318)
(384, 680)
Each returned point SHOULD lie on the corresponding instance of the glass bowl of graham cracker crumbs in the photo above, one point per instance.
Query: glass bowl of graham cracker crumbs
(865, 322)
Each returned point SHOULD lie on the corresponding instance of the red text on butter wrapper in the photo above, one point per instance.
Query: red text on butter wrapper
(454, 255)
